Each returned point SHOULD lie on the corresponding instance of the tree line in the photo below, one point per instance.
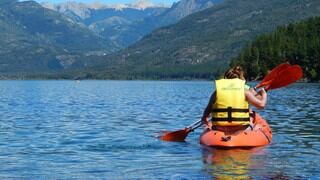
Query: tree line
(297, 43)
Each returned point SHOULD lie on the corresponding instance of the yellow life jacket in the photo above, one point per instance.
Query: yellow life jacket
(231, 107)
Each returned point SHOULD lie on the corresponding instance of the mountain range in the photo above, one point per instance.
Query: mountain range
(39, 42)
(202, 44)
(48, 38)
(125, 24)
(33, 38)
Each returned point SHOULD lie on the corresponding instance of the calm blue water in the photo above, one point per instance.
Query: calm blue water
(106, 129)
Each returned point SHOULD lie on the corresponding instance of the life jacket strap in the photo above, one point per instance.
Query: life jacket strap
(230, 110)
(230, 119)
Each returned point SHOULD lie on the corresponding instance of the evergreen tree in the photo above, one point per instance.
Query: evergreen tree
(298, 43)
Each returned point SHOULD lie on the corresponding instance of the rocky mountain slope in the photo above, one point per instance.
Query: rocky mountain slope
(202, 44)
(33, 38)
(125, 24)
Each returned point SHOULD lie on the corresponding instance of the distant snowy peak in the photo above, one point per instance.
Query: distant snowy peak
(77, 6)
(80, 9)
(143, 4)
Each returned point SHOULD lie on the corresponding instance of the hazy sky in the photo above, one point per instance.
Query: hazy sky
(111, 1)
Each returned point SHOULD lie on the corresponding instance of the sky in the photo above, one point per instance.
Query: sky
(112, 1)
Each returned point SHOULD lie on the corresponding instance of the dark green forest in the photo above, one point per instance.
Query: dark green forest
(297, 43)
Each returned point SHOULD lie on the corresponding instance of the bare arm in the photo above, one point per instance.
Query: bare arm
(257, 100)
(207, 111)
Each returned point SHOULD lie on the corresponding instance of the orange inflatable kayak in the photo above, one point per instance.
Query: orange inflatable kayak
(260, 135)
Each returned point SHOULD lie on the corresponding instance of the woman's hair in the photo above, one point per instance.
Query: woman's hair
(235, 72)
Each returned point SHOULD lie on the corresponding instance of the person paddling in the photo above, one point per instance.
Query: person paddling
(229, 103)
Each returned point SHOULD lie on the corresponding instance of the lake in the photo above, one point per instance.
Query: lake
(107, 130)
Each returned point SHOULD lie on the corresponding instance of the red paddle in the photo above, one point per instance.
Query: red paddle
(274, 73)
(286, 77)
(180, 135)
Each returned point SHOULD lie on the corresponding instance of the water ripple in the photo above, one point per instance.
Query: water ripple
(63, 130)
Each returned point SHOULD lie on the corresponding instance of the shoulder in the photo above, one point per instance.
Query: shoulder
(246, 87)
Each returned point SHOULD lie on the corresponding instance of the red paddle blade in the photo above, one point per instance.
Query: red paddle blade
(273, 74)
(178, 136)
(286, 77)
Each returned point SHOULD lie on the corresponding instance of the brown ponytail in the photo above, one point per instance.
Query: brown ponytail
(235, 72)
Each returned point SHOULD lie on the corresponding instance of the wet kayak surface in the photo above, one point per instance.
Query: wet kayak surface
(107, 129)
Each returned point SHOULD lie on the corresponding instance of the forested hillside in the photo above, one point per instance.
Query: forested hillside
(298, 43)
(37, 42)
(35, 39)
(203, 44)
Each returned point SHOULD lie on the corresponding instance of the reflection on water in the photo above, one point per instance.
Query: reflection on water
(227, 164)
(105, 129)
(237, 164)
